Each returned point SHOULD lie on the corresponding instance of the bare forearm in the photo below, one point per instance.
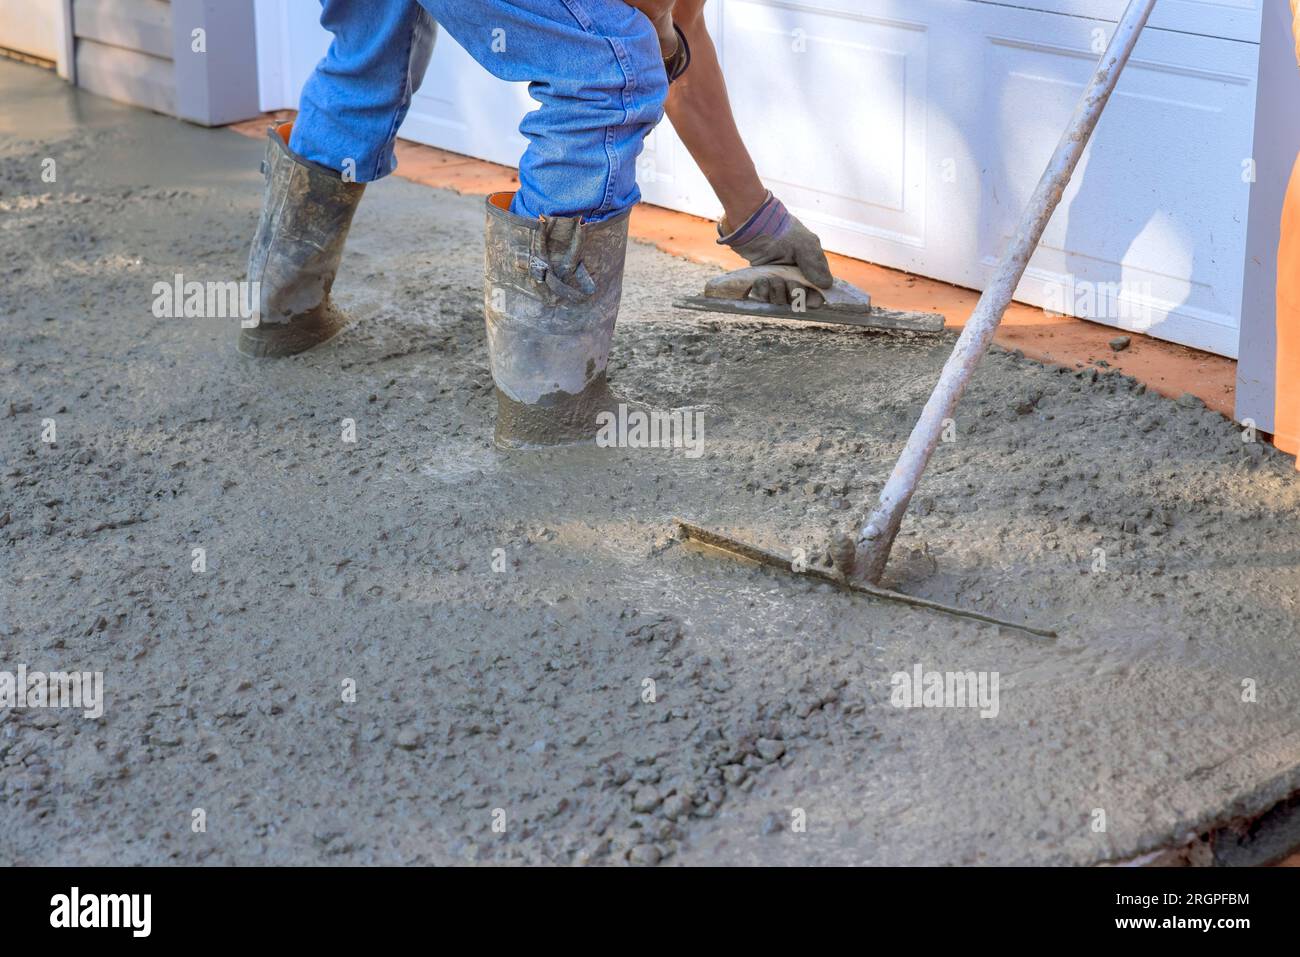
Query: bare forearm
(701, 114)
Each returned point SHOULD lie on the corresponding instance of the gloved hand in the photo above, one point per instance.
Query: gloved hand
(773, 236)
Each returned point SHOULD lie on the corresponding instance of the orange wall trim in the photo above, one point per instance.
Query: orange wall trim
(1166, 368)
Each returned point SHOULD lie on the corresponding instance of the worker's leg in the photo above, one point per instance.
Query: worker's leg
(596, 68)
(316, 168)
(1286, 409)
(555, 248)
(352, 105)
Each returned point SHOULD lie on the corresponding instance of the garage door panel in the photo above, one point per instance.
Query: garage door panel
(1157, 206)
(1231, 19)
(833, 109)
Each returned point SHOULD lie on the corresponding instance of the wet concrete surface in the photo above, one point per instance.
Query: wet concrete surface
(412, 648)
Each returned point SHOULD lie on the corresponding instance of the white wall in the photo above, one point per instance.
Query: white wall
(1277, 140)
(34, 27)
(290, 40)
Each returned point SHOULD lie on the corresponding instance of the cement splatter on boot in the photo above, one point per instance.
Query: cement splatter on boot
(306, 213)
(551, 292)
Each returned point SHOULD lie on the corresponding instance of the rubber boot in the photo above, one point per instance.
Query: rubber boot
(306, 213)
(551, 293)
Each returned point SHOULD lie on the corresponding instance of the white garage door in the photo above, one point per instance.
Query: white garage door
(911, 133)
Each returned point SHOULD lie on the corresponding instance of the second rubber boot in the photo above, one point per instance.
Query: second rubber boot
(551, 292)
(306, 214)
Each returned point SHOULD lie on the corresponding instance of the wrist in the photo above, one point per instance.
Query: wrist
(771, 220)
(740, 204)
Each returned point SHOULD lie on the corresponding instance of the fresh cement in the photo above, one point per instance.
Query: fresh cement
(412, 648)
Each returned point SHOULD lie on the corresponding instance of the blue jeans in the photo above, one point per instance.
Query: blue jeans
(594, 65)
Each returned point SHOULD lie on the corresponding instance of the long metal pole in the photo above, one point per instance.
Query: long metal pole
(877, 537)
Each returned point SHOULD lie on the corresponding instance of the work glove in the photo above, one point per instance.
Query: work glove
(772, 236)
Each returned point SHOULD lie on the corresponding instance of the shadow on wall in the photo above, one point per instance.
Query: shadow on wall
(1140, 241)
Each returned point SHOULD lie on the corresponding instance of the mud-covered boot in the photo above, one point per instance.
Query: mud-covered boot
(306, 213)
(551, 293)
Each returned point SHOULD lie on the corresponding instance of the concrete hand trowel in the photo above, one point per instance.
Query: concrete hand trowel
(843, 303)
(860, 560)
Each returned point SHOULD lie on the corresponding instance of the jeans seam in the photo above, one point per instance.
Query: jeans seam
(579, 14)
(385, 152)
(630, 83)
